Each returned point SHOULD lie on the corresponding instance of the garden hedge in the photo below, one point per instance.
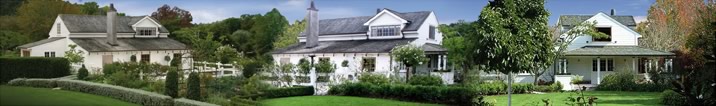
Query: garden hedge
(288, 92)
(33, 67)
(189, 102)
(125, 94)
(453, 95)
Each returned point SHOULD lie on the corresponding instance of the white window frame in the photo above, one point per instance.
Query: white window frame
(59, 29)
(49, 54)
(386, 31)
(146, 31)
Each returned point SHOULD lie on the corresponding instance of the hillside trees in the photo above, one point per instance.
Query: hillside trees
(172, 18)
(36, 17)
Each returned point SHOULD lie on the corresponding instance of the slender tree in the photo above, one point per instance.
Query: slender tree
(513, 37)
(409, 55)
(171, 84)
(194, 87)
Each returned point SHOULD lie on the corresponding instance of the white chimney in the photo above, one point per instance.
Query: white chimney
(111, 26)
(312, 28)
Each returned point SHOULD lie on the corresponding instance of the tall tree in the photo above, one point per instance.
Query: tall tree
(410, 56)
(290, 34)
(36, 17)
(696, 62)
(266, 30)
(669, 22)
(456, 44)
(513, 37)
(563, 40)
(172, 18)
(91, 8)
(9, 7)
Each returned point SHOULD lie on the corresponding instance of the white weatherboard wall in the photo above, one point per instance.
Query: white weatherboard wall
(621, 35)
(58, 46)
(382, 60)
(93, 60)
(63, 29)
(424, 31)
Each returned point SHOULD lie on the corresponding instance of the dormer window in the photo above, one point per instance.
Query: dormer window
(386, 30)
(432, 33)
(605, 30)
(146, 31)
(58, 28)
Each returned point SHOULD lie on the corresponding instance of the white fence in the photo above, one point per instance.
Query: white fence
(216, 69)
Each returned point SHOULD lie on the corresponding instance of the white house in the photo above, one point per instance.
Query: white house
(107, 39)
(365, 43)
(595, 58)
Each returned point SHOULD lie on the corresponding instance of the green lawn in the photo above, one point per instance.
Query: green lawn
(27, 96)
(605, 98)
(337, 101)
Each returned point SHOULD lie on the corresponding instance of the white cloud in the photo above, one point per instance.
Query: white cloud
(639, 19)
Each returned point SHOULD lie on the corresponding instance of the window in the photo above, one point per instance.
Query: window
(605, 30)
(146, 31)
(49, 54)
(145, 58)
(604, 65)
(642, 65)
(433, 63)
(562, 66)
(368, 64)
(107, 59)
(432, 32)
(390, 30)
(324, 59)
(58, 28)
(177, 56)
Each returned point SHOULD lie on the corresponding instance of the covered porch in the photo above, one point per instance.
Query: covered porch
(436, 65)
(593, 63)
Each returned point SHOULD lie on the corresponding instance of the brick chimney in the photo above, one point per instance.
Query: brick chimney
(312, 28)
(111, 25)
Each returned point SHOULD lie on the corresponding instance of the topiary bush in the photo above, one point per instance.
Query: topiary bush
(33, 67)
(288, 92)
(193, 87)
(171, 84)
(453, 95)
(671, 98)
(618, 81)
(82, 73)
(428, 80)
(373, 78)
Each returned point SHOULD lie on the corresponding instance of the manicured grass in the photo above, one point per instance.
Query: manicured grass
(337, 101)
(605, 98)
(27, 96)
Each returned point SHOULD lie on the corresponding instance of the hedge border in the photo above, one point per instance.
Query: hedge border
(140, 97)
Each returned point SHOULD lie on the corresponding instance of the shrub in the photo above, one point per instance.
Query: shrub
(43, 83)
(323, 79)
(189, 102)
(373, 78)
(254, 86)
(554, 87)
(33, 67)
(125, 79)
(428, 80)
(82, 73)
(619, 81)
(453, 95)
(490, 88)
(109, 69)
(193, 87)
(251, 68)
(224, 85)
(522, 88)
(577, 79)
(171, 84)
(288, 92)
(671, 98)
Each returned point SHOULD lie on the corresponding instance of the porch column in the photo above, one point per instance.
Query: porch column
(633, 65)
(599, 79)
(440, 62)
(444, 61)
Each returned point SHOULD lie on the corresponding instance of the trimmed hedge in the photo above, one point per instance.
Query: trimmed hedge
(125, 94)
(189, 102)
(671, 98)
(33, 67)
(435, 94)
(427, 80)
(288, 92)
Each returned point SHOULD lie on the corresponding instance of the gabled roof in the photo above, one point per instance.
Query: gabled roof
(389, 12)
(33, 44)
(99, 44)
(616, 51)
(570, 20)
(354, 25)
(355, 46)
(98, 23)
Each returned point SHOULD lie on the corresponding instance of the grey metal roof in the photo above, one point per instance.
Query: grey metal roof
(33, 44)
(354, 25)
(98, 23)
(570, 20)
(616, 51)
(99, 44)
(429, 47)
(355, 46)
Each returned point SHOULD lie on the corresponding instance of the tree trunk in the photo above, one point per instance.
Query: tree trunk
(407, 73)
(509, 89)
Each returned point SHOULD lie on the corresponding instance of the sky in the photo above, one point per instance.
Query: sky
(447, 11)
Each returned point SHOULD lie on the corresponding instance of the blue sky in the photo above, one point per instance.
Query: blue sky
(447, 11)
